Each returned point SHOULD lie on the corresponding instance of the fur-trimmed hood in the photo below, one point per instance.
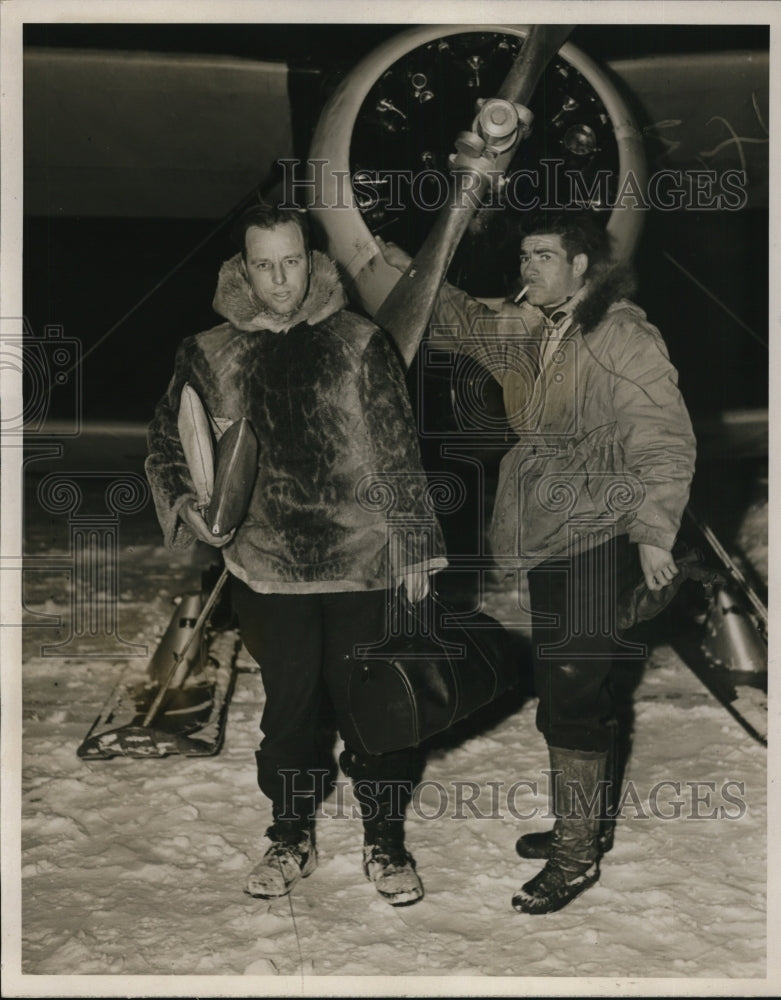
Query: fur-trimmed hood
(235, 300)
(605, 286)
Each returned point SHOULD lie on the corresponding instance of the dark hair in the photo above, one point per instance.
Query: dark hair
(269, 217)
(578, 232)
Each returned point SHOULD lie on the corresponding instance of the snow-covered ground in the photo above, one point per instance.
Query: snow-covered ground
(132, 870)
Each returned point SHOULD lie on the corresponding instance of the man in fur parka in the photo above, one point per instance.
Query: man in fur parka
(312, 570)
(589, 500)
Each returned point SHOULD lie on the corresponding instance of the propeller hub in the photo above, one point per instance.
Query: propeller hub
(497, 119)
(501, 123)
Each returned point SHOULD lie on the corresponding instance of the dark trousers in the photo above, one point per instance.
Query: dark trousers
(575, 642)
(304, 645)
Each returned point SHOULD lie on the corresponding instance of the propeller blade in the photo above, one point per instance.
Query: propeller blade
(541, 45)
(406, 311)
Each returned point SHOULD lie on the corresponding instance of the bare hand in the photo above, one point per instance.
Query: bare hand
(658, 566)
(393, 254)
(416, 585)
(193, 518)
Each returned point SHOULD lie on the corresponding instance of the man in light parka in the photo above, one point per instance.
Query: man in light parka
(589, 499)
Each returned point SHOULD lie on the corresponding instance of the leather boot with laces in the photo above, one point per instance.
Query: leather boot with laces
(291, 856)
(389, 865)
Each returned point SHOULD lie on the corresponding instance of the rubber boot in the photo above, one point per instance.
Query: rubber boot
(538, 844)
(573, 864)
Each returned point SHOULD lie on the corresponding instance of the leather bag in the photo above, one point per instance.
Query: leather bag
(416, 684)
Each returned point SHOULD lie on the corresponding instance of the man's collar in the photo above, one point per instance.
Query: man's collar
(556, 315)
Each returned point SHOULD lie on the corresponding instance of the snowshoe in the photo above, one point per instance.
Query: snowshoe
(192, 712)
(291, 856)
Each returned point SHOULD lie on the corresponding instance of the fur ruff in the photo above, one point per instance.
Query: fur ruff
(604, 287)
(235, 300)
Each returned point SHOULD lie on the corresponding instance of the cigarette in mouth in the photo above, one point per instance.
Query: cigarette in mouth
(521, 294)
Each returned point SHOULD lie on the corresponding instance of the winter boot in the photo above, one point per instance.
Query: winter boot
(538, 844)
(383, 787)
(535, 845)
(291, 856)
(388, 864)
(573, 862)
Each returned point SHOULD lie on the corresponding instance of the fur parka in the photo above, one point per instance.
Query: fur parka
(339, 465)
